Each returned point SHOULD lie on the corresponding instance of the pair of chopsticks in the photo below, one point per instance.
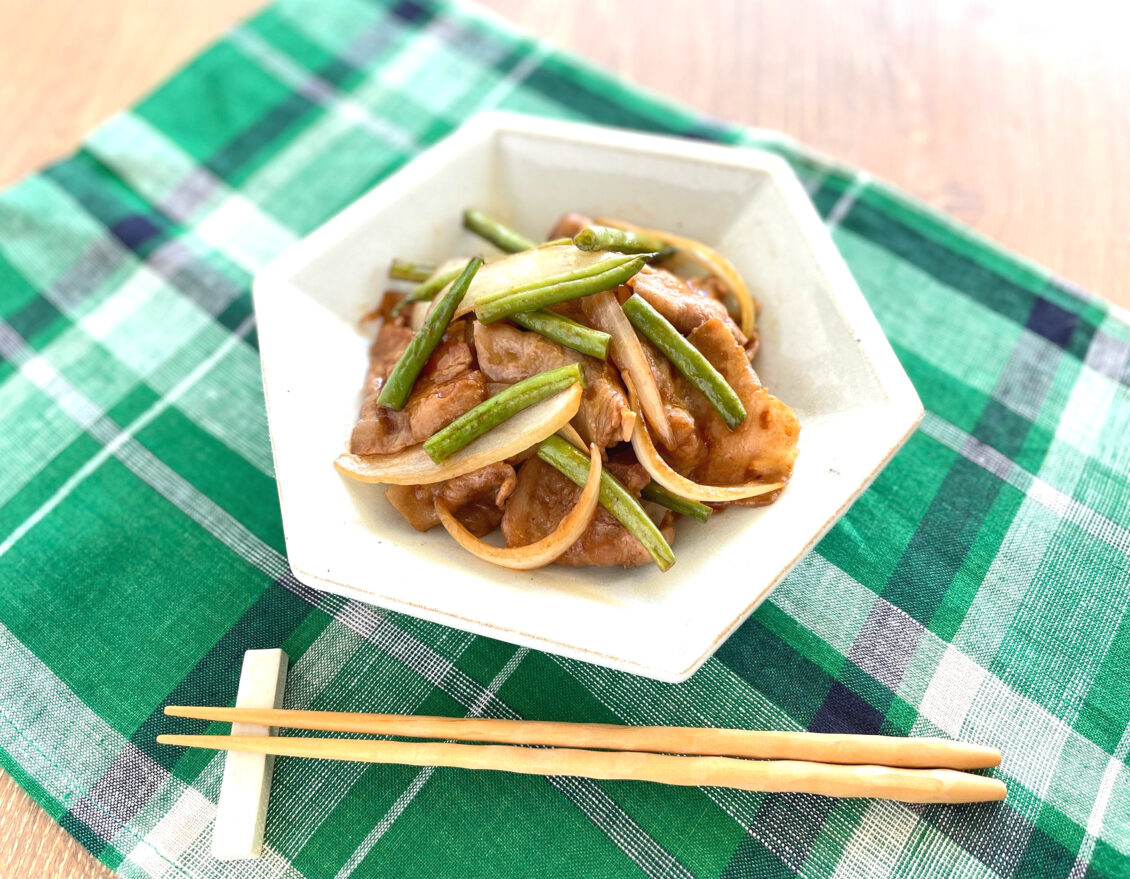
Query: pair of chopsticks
(913, 770)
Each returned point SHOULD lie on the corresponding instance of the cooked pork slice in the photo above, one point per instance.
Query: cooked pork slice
(684, 306)
(752, 345)
(717, 289)
(569, 225)
(476, 499)
(689, 450)
(507, 354)
(623, 465)
(540, 502)
(708, 285)
(764, 446)
(447, 387)
(453, 357)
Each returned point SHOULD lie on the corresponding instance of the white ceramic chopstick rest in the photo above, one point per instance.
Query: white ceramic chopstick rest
(242, 810)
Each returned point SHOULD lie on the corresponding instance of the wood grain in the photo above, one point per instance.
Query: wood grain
(1011, 116)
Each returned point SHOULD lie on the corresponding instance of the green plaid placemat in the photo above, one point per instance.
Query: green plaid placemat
(979, 589)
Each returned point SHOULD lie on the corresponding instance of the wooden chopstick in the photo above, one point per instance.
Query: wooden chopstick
(816, 747)
(907, 785)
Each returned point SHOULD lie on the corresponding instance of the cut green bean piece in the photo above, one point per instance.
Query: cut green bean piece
(656, 493)
(501, 236)
(555, 242)
(472, 424)
(620, 240)
(551, 294)
(574, 464)
(403, 376)
(585, 271)
(563, 331)
(687, 359)
(428, 290)
(407, 270)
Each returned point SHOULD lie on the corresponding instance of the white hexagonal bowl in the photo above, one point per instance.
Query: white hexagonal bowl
(822, 352)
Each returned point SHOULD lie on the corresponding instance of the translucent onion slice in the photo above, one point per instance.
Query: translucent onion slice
(707, 257)
(541, 552)
(414, 467)
(569, 433)
(628, 354)
(662, 472)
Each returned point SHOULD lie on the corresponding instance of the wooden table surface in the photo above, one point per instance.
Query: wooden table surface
(1014, 117)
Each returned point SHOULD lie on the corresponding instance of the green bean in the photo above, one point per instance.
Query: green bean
(574, 464)
(472, 424)
(406, 270)
(585, 271)
(620, 240)
(428, 290)
(551, 294)
(503, 237)
(656, 493)
(403, 376)
(687, 359)
(556, 242)
(563, 331)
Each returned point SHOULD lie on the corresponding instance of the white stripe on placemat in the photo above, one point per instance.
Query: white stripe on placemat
(1037, 745)
(604, 812)
(518, 74)
(1096, 819)
(402, 802)
(847, 201)
(116, 442)
(44, 726)
(323, 93)
(1003, 467)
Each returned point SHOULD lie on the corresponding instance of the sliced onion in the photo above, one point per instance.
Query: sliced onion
(525, 267)
(628, 354)
(569, 433)
(414, 467)
(663, 473)
(541, 552)
(707, 257)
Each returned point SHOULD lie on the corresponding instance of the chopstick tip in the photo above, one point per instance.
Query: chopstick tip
(989, 757)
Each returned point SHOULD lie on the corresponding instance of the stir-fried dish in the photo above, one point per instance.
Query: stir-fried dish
(582, 395)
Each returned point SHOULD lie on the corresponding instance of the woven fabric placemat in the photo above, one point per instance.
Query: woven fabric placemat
(978, 589)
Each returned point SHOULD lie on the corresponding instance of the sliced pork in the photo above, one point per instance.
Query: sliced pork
(763, 447)
(527, 497)
(507, 354)
(541, 500)
(686, 307)
(448, 386)
(476, 499)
